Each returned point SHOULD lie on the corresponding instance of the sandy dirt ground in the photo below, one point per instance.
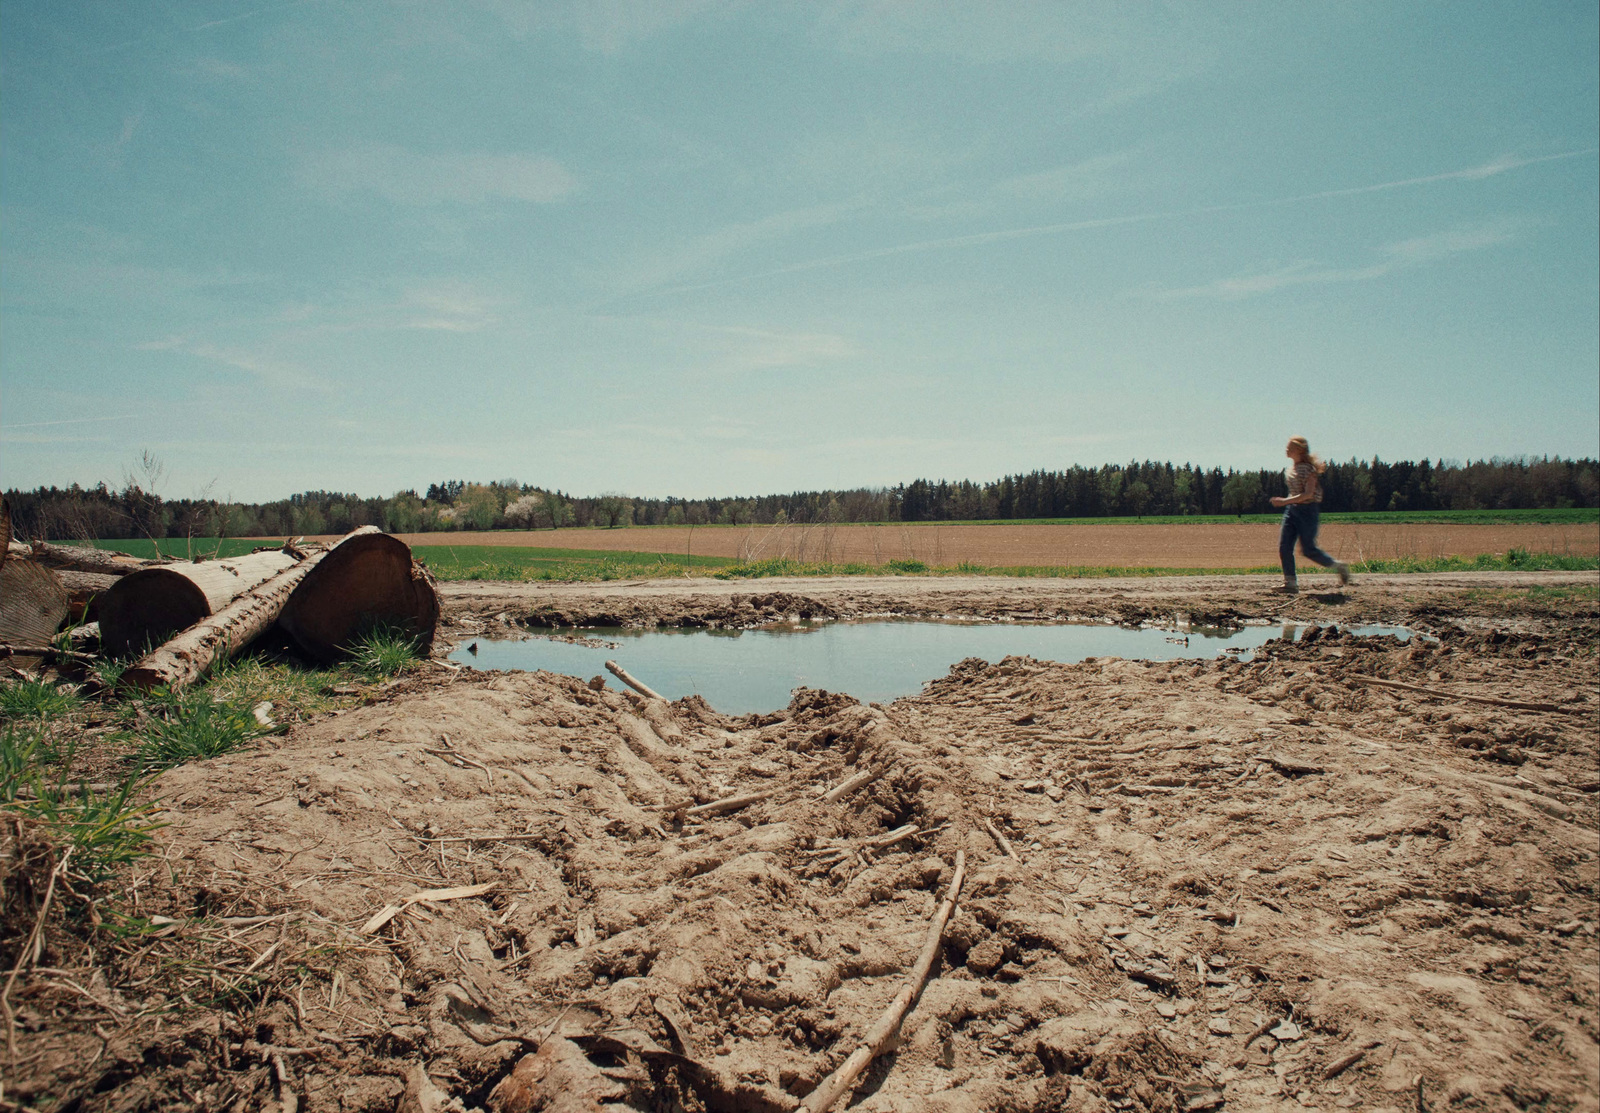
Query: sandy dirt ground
(1351, 873)
(1200, 545)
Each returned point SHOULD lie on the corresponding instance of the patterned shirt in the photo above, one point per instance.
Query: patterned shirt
(1301, 477)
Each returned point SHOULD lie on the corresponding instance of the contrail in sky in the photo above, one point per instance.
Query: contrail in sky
(1472, 173)
(72, 421)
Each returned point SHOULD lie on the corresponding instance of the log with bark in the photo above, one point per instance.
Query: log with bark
(77, 558)
(145, 608)
(84, 590)
(367, 580)
(189, 656)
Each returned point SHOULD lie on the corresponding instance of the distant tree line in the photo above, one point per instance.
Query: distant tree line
(1135, 489)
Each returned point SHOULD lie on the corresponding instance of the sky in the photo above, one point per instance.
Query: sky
(699, 248)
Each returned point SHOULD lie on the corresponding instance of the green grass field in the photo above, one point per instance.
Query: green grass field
(468, 562)
(506, 562)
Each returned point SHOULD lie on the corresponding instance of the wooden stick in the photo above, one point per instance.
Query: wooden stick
(1345, 1062)
(1491, 700)
(846, 787)
(837, 1084)
(45, 651)
(1000, 840)
(730, 803)
(638, 686)
(1291, 768)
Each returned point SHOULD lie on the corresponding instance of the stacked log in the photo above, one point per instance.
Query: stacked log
(77, 558)
(188, 657)
(368, 579)
(146, 607)
(84, 590)
(33, 603)
(333, 596)
(196, 614)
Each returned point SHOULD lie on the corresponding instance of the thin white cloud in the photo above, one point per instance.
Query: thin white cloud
(979, 239)
(450, 308)
(1397, 256)
(752, 349)
(270, 371)
(1090, 177)
(220, 68)
(702, 252)
(1471, 174)
(610, 26)
(413, 178)
(193, 28)
(974, 240)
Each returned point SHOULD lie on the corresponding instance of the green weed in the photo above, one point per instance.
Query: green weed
(106, 829)
(384, 651)
(35, 699)
(905, 566)
(192, 725)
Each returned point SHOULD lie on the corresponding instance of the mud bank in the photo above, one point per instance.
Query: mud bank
(1312, 879)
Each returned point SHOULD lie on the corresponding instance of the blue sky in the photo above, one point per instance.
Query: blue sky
(705, 248)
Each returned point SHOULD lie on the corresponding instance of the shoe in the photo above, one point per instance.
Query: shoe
(1343, 570)
(1287, 589)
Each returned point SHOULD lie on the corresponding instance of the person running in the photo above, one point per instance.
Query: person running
(1302, 512)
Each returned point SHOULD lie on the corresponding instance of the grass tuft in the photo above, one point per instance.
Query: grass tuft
(192, 725)
(35, 699)
(384, 651)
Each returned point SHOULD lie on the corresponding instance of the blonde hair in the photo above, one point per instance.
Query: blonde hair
(1302, 446)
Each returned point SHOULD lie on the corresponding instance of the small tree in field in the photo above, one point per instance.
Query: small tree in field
(1138, 497)
(615, 510)
(1240, 492)
(479, 506)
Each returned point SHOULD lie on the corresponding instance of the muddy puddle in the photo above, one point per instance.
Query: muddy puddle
(755, 670)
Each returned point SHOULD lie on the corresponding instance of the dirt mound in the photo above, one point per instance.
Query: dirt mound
(1190, 884)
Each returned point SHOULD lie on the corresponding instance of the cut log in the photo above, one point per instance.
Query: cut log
(79, 558)
(146, 607)
(33, 604)
(367, 580)
(190, 655)
(84, 590)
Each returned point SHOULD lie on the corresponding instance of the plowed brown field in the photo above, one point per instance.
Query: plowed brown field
(1202, 545)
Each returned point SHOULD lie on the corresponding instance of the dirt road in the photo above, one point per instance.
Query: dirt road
(1353, 873)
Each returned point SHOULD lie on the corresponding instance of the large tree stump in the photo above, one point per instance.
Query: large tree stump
(366, 580)
(145, 608)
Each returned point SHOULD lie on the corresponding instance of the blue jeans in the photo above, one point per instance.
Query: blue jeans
(1301, 521)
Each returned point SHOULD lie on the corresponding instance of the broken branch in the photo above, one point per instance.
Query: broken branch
(846, 787)
(1000, 840)
(639, 686)
(730, 803)
(837, 1084)
(1493, 701)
